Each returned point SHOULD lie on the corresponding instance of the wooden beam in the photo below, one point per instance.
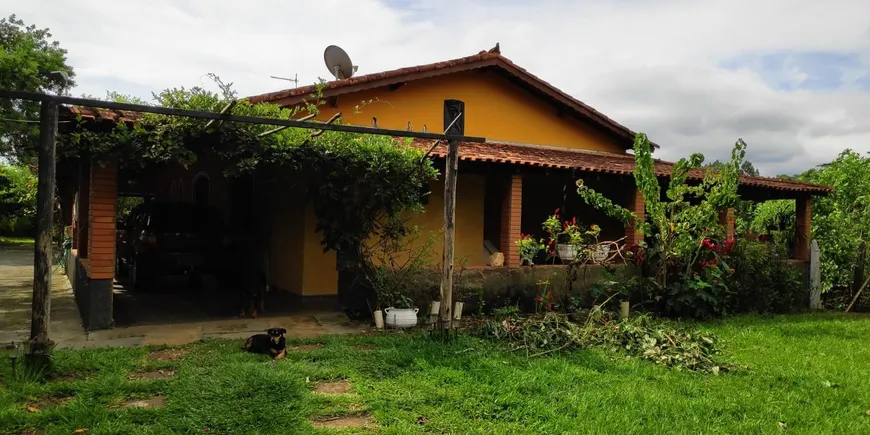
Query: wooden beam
(275, 130)
(395, 86)
(85, 102)
(40, 344)
(227, 109)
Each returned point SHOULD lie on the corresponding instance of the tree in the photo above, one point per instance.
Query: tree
(746, 168)
(841, 220)
(17, 201)
(27, 63)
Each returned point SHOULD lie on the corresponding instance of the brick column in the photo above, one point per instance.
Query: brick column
(101, 218)
(511, 216)
(636, 206)
(726, 218)
(803, 234)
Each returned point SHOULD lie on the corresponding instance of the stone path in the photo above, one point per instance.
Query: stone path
(16, 288)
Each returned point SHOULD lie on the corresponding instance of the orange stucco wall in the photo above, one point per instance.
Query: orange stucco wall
(286, 238)
(320, 272)
(495, 109)
(469, 219)
(469, 223)
(297, 261)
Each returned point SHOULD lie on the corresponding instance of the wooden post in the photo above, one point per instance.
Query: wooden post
(454, 124)
(815, 277)
(450, 176)
(40, 344)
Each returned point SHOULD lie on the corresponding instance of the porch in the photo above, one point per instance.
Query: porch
(513, 188)
(500, 197)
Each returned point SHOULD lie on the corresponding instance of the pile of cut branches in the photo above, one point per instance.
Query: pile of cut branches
(640, 336)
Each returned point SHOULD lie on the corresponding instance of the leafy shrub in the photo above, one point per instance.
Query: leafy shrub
(640, 336)
(763, 281)
(17, 201)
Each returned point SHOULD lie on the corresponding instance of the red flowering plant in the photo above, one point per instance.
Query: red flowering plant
(572, 233)
(708, 274)
(544, 299)
(635, 253)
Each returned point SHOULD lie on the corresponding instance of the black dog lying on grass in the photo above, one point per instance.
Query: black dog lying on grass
(271, 343)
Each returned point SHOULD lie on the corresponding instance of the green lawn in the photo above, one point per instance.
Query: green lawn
(15, 241)
(806, 375)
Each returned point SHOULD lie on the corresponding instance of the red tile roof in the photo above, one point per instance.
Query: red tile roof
(591, 161)
(92, 113)
(491, 58)
(521, 154)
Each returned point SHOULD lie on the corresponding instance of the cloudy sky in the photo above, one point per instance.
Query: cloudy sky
(791, 77)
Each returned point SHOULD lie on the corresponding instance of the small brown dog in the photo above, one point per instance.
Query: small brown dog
(271, 343)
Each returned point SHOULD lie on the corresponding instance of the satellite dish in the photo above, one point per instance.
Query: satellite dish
(338, 62)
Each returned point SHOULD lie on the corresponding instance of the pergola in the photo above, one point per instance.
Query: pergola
(40, 343)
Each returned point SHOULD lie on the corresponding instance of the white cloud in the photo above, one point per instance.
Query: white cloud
(653, 65)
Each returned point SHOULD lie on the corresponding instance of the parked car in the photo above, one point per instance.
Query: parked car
(171, 238)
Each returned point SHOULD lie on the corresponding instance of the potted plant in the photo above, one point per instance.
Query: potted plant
(529, 248)
(563, 235)
(600, 253)
(401, 313)
(392, 301)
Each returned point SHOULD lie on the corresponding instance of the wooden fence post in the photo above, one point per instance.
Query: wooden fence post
(454, 124)
(815, 277)
(40, 344)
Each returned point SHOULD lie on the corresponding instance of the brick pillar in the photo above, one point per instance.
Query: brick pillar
(511, 216)
(726, 218)
(101, 218)
(803, 235)
(636, 206)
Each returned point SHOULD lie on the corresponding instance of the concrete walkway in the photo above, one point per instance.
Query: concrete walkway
(16, 289)
(16, 293)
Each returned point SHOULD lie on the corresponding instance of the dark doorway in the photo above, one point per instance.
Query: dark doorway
(201, 190)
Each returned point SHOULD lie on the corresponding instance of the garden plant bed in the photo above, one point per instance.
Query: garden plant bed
(814, 365)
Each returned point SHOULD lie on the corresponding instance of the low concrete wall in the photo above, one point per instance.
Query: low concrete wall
(94, 297)
(508, 286)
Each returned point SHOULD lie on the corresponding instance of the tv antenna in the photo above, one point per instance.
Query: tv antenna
(338, 62)
(295, 79)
